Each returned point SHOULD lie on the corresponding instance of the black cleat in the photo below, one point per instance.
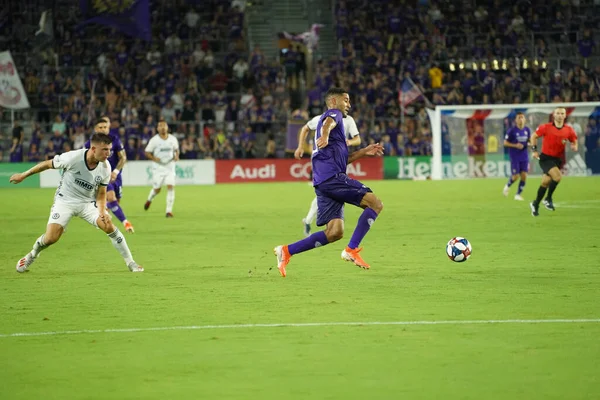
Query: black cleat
(534, 208)
(549, 205)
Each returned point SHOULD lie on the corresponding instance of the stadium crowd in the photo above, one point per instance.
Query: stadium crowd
(224, 100)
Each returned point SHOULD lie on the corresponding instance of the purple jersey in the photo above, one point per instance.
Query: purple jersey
(333, 158)
(117, 146)
(516, 135)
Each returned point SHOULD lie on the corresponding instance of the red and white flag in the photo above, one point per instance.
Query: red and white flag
(12, 94)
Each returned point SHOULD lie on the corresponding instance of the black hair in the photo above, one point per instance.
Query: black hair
(101, 120)
(101, 138)
(334, 91)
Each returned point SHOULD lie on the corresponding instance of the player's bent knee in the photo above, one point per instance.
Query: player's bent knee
(105, 224)
(334, 231)
(546, 180)
(333, 235)
(375, 204)
(378, 206)
(51, 238)
(107, 227)
(53, 233)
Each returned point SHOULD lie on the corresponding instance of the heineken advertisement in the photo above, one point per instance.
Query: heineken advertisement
(8, 169)
(419, 167)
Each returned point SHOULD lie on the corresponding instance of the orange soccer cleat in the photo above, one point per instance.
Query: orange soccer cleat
(128, 227)
(353, 255)
(283, 258)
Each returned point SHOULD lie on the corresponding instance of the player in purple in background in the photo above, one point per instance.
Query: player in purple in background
(117, 160)
(334, 188)
(516, 139)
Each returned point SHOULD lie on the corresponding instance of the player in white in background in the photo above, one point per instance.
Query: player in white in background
(352, 139)
(81, 193)
(163, 149)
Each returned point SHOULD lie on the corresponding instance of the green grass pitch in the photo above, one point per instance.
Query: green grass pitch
(211, 267)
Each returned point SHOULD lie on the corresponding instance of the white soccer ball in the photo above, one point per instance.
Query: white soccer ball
(458, 249)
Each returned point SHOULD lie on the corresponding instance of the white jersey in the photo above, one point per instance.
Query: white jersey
(79, 183)
(349, 126)
(164, 150)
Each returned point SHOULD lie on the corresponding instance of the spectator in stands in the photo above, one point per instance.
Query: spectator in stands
(34, 155)
(188, 148)
(248, 143)
(50, 151)
(16, 150)
(381, 43)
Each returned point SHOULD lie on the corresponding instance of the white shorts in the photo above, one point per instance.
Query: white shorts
(162, 178)
(61, 213)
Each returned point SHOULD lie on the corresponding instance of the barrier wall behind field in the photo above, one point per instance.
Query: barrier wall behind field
(210, 172)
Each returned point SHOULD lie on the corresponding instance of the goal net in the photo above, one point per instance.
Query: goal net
(468, 141)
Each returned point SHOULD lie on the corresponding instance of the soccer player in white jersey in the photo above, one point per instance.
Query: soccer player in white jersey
(81, 193)
(163, 149)
(352, 139)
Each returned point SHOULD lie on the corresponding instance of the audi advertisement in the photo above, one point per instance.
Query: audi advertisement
(288, 170)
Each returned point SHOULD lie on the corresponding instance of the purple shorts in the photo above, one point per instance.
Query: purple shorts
(333, 193)
(116, 186)
(516, 166)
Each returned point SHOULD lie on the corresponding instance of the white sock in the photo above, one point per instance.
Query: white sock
(119, 242)
(170, 200)
(312, 212)
(152, 194)
(38, 246)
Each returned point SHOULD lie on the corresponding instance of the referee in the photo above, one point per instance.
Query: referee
(555, 134)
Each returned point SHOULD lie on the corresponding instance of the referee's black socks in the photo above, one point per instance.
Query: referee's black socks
(540, 194)
(551, 189)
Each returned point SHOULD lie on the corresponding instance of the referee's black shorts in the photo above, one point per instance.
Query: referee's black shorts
(548, 162)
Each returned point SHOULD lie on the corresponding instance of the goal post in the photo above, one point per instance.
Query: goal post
(468, 140)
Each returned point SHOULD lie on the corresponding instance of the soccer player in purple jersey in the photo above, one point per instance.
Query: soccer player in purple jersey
(334, 188)
(353, 139)
(117, 160)
(516, 139)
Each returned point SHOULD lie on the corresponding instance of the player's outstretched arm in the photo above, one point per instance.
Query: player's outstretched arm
(355, 141)
(372, 150)
(301, 140)
(36, 169)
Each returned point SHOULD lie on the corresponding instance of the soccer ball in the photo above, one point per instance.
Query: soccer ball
(458, 249)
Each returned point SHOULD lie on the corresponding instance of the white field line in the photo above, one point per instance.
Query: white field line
(578, 204)
(305, 324)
